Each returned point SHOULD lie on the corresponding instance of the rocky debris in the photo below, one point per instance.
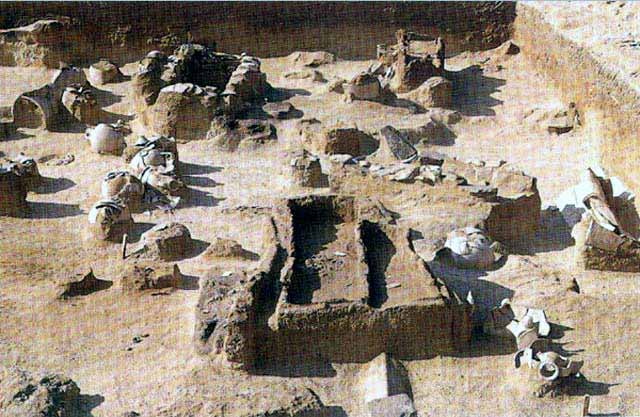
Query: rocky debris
(281, 110)
(336, 85)
(203, 66)
(109, 220)
(385, 388)
(103, 72)
(406, 174)
(564, 121)
(485, 192)
(518, 214)
(83, 283)
(508, 48)
(383, 377)
(334, 140)
(56, 160)
(432, 158)
(123, 186)
(81, 104)
(26, 168)
(394, 147)
(13, 193)
(44, 394)
(227, 248)
(181, 112)
(434, 132)
(364, 86)
(107, 138)
(555, 120)
(307, 171)
(167, 242)
(305, 74)
(232, 134)
(435, 92)
(394, 406)
(145, 276)
(312, 59)
(470, 248)
(43, 107)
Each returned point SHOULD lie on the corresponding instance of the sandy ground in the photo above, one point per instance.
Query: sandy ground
(609, 30)
(87, 338)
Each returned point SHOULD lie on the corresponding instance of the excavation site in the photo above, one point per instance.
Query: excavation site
(319, 209)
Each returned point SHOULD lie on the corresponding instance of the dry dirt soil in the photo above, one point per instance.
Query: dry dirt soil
(87, 338)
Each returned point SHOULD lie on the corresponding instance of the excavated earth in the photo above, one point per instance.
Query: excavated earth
(90, 338)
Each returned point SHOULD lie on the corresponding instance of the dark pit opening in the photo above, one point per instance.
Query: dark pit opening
(378, 252)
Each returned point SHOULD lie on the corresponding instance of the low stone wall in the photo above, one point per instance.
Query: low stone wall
(123, 32)
(608, 104)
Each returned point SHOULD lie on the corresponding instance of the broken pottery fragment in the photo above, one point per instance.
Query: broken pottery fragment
(470, 248)
(109, 220)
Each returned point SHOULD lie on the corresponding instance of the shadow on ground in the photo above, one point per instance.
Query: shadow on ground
(187, 168)
(472, 91)
(49, 185)
(39, 210)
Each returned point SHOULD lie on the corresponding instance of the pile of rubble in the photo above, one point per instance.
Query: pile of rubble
(180, 95)
(41, 394)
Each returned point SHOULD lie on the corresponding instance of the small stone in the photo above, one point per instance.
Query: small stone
(336, 86)
(406, 174)
(280, 110)
(305, 74)
(312, 59)
(341, 159)
(432, 158)
(140, 277)
(435, 92)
